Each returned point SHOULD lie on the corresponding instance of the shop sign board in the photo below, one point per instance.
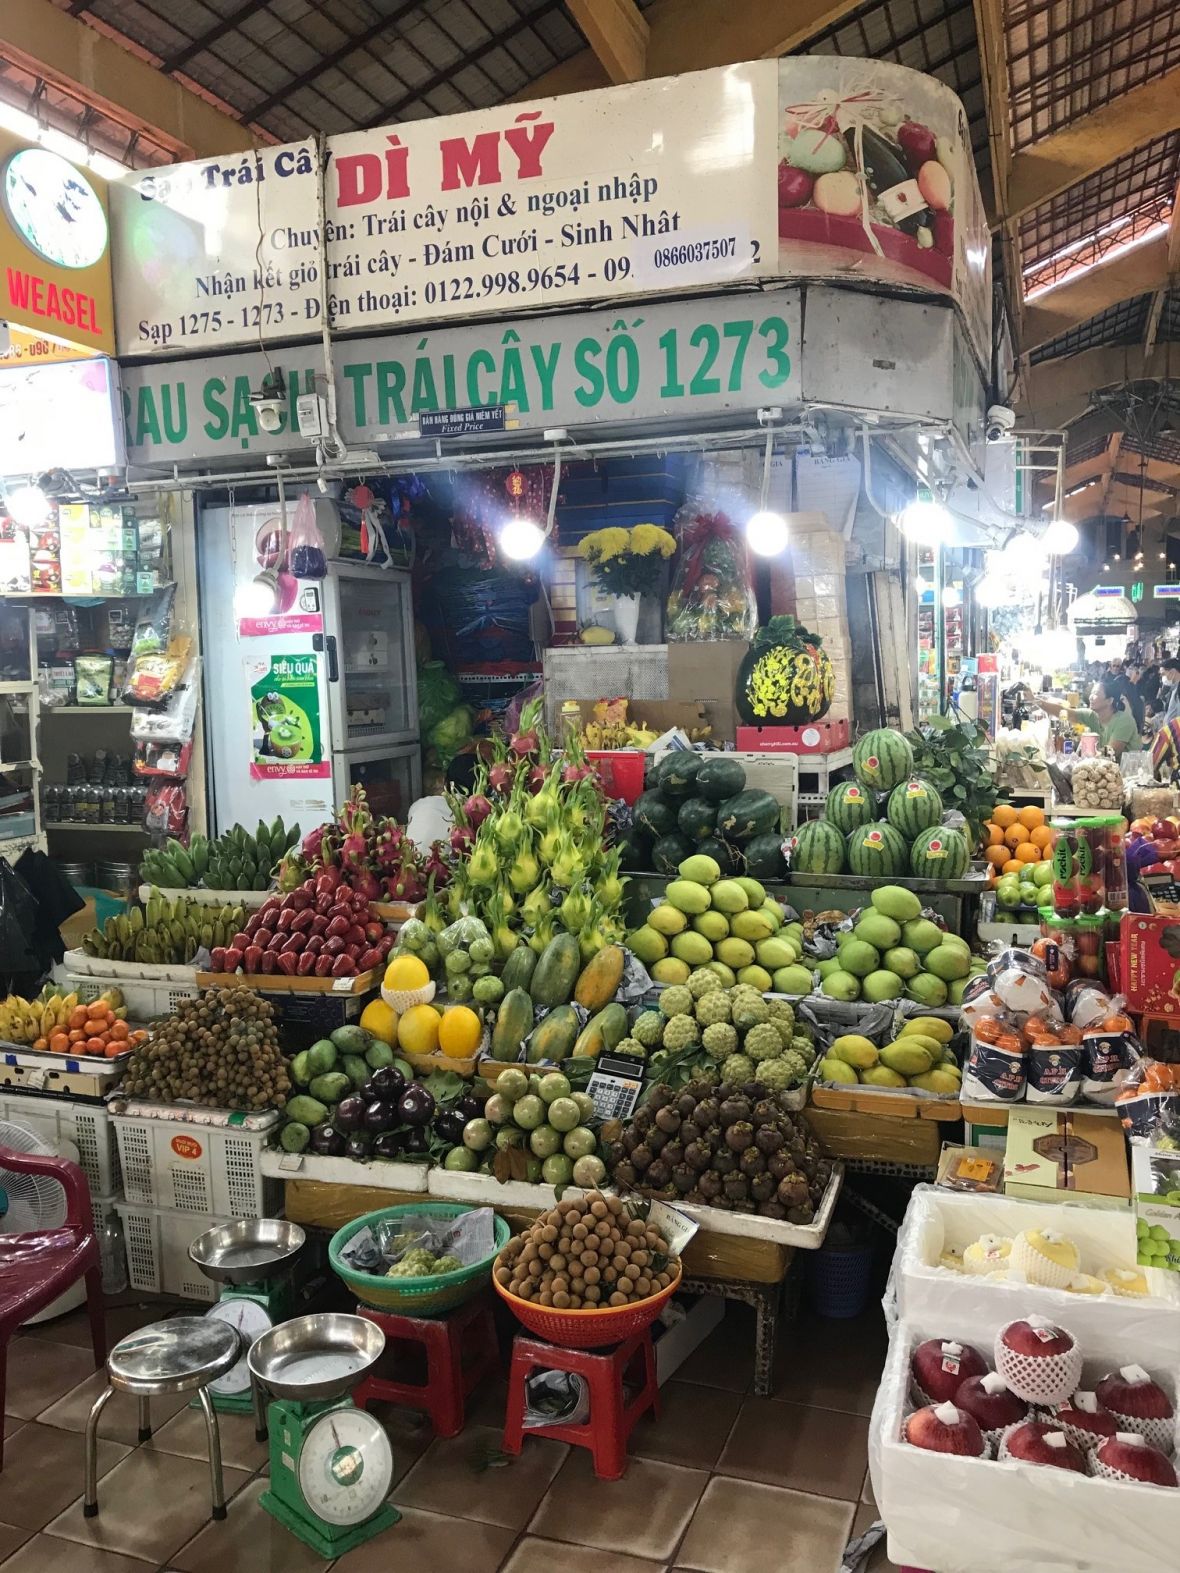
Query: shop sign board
(1166, 592)
(680, 360)
(55, 265)
(809, 167)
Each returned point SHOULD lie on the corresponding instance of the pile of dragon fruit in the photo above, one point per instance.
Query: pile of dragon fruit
(374, 856)
(323, 928)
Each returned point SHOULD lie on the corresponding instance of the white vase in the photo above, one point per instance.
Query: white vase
(626, 615)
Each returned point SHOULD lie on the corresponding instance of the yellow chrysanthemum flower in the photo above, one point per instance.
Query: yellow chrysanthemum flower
(601, 545)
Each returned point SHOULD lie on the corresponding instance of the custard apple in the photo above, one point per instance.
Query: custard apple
(702, 982)
(713, 1007)
(737, 1068)
(749, 1010)
(448, 1264)
(783, 1018)
(781, 1074)
(681, 1033)
(649, 1028)
(676, 1001)
(631, 1046)
(719, 1039)
(762, 1043)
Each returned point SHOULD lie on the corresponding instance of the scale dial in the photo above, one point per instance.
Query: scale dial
(250, 1320)
(345, 1466)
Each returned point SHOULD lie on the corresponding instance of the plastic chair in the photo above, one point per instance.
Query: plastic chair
(37, 1267)
(460, 1349)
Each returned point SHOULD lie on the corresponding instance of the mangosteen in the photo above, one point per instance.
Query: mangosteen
(707, 1112)
(713, 1134)
(690, 1131)
(642, 1157)
(611, 1153)
(388, 1082)
(762, 1188)
(809, 1166)
(631, 1140)
(724, 1161)
(660, 1095)
(685, 1104)
(416, 1141)
(722, 1204)
(695, 1196)
(624, 1173)
(668, 1119)
(683, 1178)
(349, 1114)
(780, 1164)
(657, 1141)
(768, 1139)
(674, 1152)
(773, 1209)
(733, 1110)
(752, 1091)
(697, 1156)
(700, 1088)
(764, 1113)
(752, 1162)
(737, 1188)
(659, 1174)
(710, 1185)
(387, 1144)
(643, 1120)
(803, 1214)
(792, 1192)
(739, 1136)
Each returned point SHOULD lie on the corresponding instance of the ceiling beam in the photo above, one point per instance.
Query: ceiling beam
(1112, 455)
(40, 38)
(1158, 299)
(993, 65)
(1057, 392)
(1137, 270)
(617, 32)
(1088, 144)
(691, 35)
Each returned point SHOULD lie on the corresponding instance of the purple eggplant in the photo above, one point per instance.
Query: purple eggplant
(357, 1146)
(416, 1140)
(387, 1144)
(388, 1082)
(449, 1125)
(469, 1107)
(381, 1115)
(416, 1105)
(328, 1141)
(367, 1091)
(350, 1113)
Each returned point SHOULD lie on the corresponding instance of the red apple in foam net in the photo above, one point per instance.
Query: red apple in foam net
(942, 1428)
(1037, 1337)
(990, 1402)
(1130, 1392)
(917, 143)
(941, 1365)
(1040, 1361)
(794, 186)
(1127, 1453)
(1041, 1442)
(1084, 1420)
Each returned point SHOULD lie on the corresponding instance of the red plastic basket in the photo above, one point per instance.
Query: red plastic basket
(587, 1329)
(620, 770)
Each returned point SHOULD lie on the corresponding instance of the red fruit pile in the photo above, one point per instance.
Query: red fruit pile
(323, 929)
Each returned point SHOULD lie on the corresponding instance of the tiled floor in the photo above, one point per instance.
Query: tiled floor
(722, 1483)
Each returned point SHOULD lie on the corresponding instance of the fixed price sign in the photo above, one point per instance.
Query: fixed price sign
(683, 359)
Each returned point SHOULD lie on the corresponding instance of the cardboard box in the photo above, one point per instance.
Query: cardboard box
(1149, 963)
(1155, 1173)
(817, 737)
(1062, 1155)
(705, 672)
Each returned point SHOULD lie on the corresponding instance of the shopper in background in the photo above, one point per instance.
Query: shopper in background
(1169, 691)
(1110, 714)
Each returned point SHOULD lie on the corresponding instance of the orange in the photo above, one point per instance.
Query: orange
(1004, 815)
(1015, 836)
(993, 833)
(1027, 853)
(78, 1016)
(95, 1045)
(59, 1042)
(418, 1029)
(96, 1009)
(76, 1035)
(997, 856)
(459, 1032)
(1040, 836)
(1013, 866)
(40, 1045)
(1031, 817)
(120, 1030)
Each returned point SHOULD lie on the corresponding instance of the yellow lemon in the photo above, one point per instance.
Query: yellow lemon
(417, 1031)
(459, 1032)
(406, 972)
(381, 1020)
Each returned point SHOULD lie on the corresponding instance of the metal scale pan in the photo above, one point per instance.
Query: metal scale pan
(313, 1358)
(247, 1251)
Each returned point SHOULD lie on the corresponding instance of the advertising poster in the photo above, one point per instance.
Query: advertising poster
(295, 606)
(286, 726)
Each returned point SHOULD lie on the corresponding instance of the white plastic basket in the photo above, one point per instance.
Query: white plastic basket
(196, 1168)
(86, 1125)
(156, 1240)
(145, 998)
(78, 963)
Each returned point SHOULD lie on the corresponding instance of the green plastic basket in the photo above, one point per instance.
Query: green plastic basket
(428, 1296)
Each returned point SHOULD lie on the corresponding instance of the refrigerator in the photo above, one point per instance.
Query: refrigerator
(309, 684)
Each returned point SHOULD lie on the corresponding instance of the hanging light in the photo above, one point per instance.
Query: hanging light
(1060, 538)
(925, 521)
(767, 533)
(993, 590)
(1055, 647)
(27, 505)
(520, 538)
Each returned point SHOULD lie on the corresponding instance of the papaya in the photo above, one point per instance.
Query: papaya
(600, 978)
(556, 971)
(554, 1037)
(518, 969)
(514, 1022)
(606, 1030)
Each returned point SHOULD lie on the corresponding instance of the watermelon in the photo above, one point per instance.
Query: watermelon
(654, 814)
(913, 806)
(817, 848)
(696, 819)
(676, 773)
(849, 805)
(878, 850)
(719, 778)
(748, 814)
(882, 759)
(670, 852)
(940, 853)
(726, 857)
(634, 850)
(764, 856)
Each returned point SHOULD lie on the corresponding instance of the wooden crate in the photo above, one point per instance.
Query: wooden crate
(270, 983)
(881, 1101)
(876, 1137)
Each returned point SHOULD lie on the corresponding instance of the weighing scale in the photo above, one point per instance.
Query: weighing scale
(331, 1464)
(252, 1259)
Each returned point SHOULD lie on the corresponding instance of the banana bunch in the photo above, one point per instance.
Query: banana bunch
(167, 931)
(24, 1021)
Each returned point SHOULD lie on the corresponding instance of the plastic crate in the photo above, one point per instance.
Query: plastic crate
(156, 1240)
(87, 1125)
(196, 1168)
(145, 998)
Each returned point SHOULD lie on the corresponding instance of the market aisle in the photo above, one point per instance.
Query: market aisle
(722, 1483)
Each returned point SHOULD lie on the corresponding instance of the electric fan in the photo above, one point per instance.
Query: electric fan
(31, 1202)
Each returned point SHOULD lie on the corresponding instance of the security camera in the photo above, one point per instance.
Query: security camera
(1000, 422)
(269, 401)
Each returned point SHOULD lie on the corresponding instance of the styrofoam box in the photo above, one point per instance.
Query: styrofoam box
(87, 1126)
(196, 1168)
(937, 1220)
(381, 1175)
(156, 1240)
(974, 1515)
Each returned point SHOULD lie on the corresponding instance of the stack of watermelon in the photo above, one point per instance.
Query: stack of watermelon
(886, 823)
(699, 803)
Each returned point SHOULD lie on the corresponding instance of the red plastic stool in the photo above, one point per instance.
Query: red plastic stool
(460, 1350)
(612, 1418)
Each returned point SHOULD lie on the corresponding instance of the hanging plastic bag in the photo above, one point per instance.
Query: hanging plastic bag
(18, 921)
(307, 556)
(712, 595)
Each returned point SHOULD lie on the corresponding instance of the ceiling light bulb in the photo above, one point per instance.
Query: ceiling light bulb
(925, 521)
(521, 539)
(259, 597)
(1106, 568)
(28, 505)
(767, 533)
(993, 590)
(1060, 538)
